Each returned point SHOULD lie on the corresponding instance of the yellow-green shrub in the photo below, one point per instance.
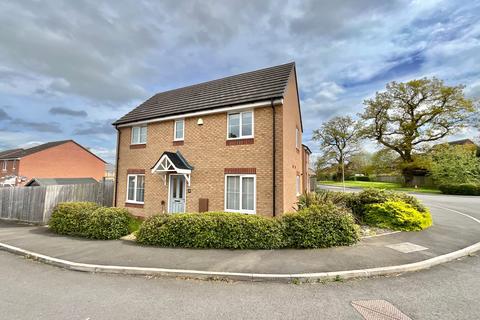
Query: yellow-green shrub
(397, 215)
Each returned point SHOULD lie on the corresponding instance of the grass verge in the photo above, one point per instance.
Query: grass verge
(378, 185)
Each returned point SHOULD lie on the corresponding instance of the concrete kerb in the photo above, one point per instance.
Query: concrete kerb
(198, 274)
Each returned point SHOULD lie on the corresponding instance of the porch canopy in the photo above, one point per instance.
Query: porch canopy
(172, 162)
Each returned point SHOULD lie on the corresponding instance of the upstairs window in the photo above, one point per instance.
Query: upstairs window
(139, 135)
(4, 165)
(136, 188)
(179, 130)
(240, 125)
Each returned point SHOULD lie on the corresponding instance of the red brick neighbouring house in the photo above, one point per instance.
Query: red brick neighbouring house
(58, 159)
(232, 144)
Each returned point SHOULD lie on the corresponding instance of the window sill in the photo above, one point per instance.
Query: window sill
(138, 146)
(178, 142)
(239, 211)
(236, 142)
(133, 205)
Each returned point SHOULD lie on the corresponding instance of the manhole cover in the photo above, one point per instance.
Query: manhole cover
(378, 310)
(406, 247)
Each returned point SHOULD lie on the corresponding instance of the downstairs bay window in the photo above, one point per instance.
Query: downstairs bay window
(240, 193)
(135, 188)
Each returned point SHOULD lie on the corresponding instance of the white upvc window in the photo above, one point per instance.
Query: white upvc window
(240, 125)
(136, 188)
(297, 138)
(240, 193)
(139, 135)
(179, 130)
(297, 184)
(4, 165)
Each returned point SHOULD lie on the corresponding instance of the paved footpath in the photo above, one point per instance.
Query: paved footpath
(451, 231)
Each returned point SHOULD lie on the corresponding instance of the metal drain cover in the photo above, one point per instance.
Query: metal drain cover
(378, 310)
(406, 247)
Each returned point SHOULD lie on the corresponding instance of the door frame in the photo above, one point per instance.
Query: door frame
(184, 191)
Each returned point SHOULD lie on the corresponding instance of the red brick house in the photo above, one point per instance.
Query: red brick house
(58, 159)
(232, 144)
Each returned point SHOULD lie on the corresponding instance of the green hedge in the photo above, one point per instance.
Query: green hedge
(212, 230)
(357, 202)
(470, 189)
(397, 215)
(315, 227)
(320, 226)
(71, 218)
(88, 220)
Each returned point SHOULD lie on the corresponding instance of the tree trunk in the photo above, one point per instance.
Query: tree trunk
(408, 177)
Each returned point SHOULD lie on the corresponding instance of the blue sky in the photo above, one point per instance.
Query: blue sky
(69, 68)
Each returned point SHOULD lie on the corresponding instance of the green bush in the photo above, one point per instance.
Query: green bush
(470, 189)
(320, 226)
(361, 178)
(212, 230)
(71, 218)
(109, 223)
(397, 215)
(322, 197)
(358, 202)
(88, 220)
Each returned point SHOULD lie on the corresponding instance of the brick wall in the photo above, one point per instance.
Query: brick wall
(292, 156)
(205, 148)
(67, 160)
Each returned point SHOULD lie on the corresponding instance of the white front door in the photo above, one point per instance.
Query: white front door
(177, 194)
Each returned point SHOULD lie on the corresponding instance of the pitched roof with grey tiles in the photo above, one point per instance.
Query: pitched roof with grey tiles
(254, 86)
(58, 181)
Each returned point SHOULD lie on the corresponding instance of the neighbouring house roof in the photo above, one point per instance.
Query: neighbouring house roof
(461, 142)
(58, 181)
(20, 152)
(307, 148)
(254, 86)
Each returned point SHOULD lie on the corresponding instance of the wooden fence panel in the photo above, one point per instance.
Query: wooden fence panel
(35, 204)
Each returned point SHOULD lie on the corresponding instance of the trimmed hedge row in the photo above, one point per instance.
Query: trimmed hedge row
(320, 226)
(469, 189)
(397, 215)
(315, 227)
(88, 220)
(211, 230)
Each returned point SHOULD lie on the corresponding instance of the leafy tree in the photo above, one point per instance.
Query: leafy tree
(455, 164)
(408, 116)
(339, 140)
(361, 162)
(384, 161)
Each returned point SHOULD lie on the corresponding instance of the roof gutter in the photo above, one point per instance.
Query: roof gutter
(259, 104)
